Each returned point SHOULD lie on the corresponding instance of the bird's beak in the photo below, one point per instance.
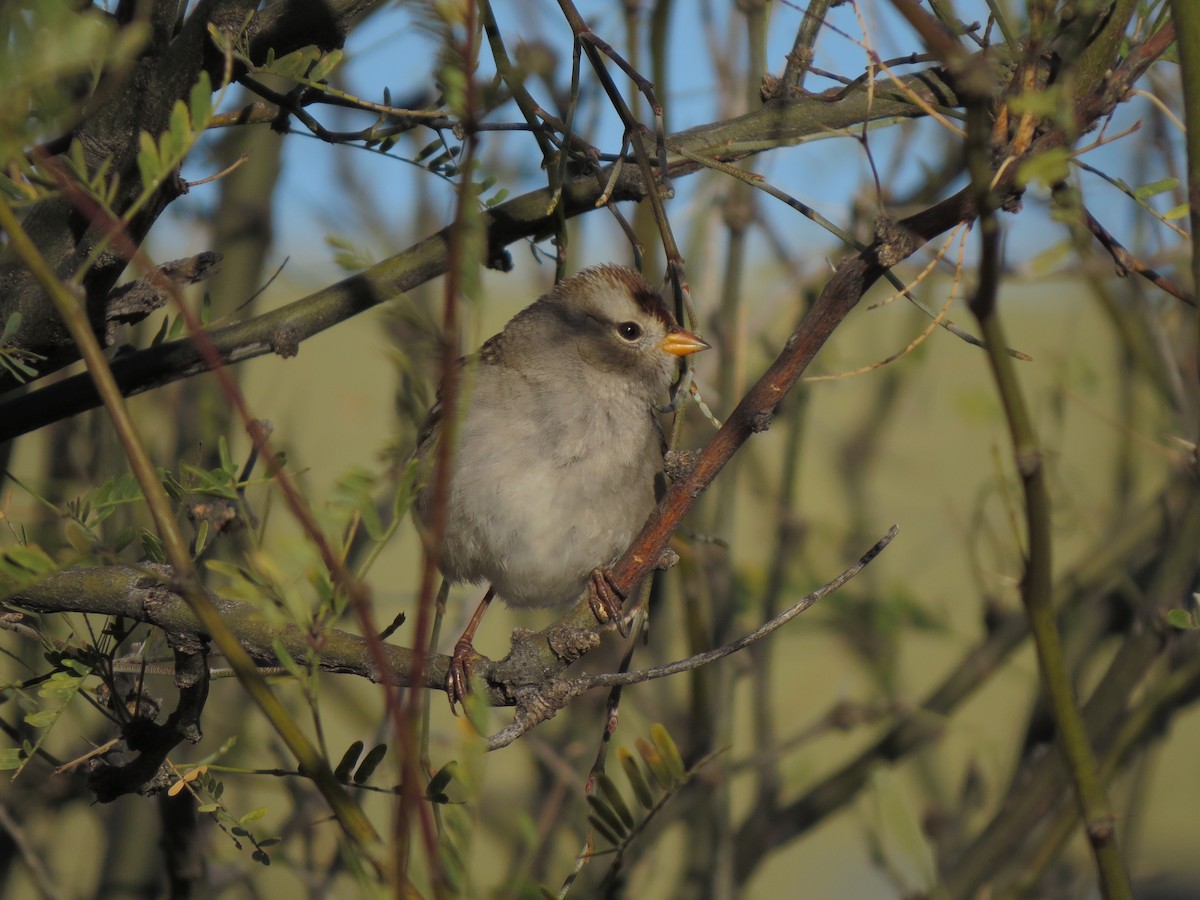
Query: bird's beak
(683, 343)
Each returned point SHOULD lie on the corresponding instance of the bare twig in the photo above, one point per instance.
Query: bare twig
(801, 57)
(702, 659)
(564, 691)
(1127, 262)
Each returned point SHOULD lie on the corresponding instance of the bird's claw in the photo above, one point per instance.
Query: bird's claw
(606, 601)
(458, 678)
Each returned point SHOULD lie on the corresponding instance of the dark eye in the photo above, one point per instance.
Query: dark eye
(631, 331)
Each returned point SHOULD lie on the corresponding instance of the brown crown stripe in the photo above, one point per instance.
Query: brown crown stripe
(643, 293)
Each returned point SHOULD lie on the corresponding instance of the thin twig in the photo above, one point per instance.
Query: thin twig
(1127, 262)
(567, 690)
(702, 659)
(801, 57)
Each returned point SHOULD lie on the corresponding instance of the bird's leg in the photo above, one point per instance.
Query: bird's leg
(458, 679)
(605, 600)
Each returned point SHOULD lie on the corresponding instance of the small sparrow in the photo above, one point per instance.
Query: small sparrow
(558, 448)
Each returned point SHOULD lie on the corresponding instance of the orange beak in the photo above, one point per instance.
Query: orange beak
(683, 343)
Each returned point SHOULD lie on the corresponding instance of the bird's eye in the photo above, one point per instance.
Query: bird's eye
(631, 331)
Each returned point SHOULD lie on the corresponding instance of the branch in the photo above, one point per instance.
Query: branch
(548, 702)
(1127, 262)
(144, 594)
(777, 124)
(143, 101)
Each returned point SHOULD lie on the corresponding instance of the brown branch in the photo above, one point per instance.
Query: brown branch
(894, 242)
(1127, 262)
(145, 594)
(555, 696)
(799, 61)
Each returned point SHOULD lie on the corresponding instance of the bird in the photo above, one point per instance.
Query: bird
(557, 449)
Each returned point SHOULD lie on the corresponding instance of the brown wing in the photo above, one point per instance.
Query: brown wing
(489, 355)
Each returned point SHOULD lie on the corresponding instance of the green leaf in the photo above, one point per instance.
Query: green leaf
(200, 103)
(670, 752)
(654, 761)
(24, 565)
(147, 160)
(1047, 168)
(19, 370)
(253, 816)
(217, 482)
(11, 758)
(607, 815)
(325, 65)
(9, 365)
(162, 332)
(901, 828)
(636, 777)
(79, 668)
(370, 763)
(348, 255)
(78, 159)
(180, 130)
(1044, 104)
(11, 325)
(428, 150)
(43, 718)
(152, 547)
(615, 800)
(201, 537)
(604, 831)
(60, 686)
(1155, 187)
(442, 778)
(1179, 618)
(294, 65)
(342, 771)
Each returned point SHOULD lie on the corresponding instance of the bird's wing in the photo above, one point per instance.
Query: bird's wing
(488, 355)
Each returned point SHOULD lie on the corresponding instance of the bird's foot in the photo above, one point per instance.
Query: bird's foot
(605, 600)
(458, 678)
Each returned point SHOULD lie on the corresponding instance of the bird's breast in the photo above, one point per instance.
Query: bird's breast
(560, 489)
